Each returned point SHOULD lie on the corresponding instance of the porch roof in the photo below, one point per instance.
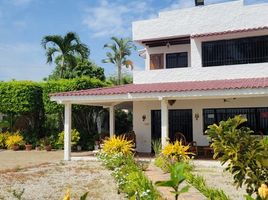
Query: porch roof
(189, 86)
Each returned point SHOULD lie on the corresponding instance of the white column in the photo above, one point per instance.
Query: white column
(164, 122)
(111, 120)
(67, 131)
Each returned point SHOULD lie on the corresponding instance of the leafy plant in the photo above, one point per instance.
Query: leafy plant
(163, 162)
(157, 146)
(3, 138)
(177, 151)
(14, 139)
(244, 153)
(176, 178)
(75, 137)
(118, 144)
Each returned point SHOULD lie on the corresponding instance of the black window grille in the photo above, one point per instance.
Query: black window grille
(177, 60)
(235, 51)
(257, 117)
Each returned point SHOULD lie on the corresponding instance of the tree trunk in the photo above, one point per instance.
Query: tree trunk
(62, 67)
(119, 74)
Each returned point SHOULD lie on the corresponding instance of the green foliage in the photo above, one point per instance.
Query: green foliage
(120, 50)
(14, 139)
(125, 79)
(75, 137)
(243, 152)
(157, 146)
(3, 138)
(199, 183)
(163, 162)
(123, 121)
(18, 194)
(177, 177)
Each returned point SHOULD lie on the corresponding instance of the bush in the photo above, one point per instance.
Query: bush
(75, 137)
(14, 139)
(244, 153)
(118, 144)
(3, 139)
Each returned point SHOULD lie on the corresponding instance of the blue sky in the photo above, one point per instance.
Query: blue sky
(23, 23)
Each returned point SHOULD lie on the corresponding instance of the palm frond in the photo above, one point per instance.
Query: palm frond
(55, 40)
(50, 53)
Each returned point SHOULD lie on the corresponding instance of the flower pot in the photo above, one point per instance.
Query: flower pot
(38, 148)
(28, 147)
(16, 147)
(48, 148)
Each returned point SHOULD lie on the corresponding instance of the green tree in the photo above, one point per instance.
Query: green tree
(120, 50)
(81, 68)
(65, 49)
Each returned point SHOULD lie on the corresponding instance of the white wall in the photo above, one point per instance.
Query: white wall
(143, 129)
(202, 19)
(195, 71)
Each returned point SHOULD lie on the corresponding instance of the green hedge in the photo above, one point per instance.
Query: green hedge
(20, 97)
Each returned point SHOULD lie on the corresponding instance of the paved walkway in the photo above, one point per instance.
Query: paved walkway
(155, 174)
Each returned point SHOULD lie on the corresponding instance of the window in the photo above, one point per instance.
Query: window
(257, 117)
(177, 60)
(156, 61)
(235, 51)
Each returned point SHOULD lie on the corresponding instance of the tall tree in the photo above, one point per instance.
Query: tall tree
(64, 49)
(120, 50)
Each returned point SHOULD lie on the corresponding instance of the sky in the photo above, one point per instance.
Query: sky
(23, 23)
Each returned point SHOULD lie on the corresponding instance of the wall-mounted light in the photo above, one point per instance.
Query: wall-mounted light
(171, 102)
(196, 116)
(143, 118)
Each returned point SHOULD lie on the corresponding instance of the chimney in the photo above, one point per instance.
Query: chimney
(199, 2)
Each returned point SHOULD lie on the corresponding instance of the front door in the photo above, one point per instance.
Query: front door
(180, 120)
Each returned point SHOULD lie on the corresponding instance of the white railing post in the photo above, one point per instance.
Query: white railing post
(67, 131)
(111, 120)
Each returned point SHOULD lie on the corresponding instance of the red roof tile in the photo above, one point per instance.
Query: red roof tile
(230, 31)
(172, 87)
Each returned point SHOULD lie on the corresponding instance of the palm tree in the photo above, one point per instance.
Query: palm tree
(120, 50)
(66, 48)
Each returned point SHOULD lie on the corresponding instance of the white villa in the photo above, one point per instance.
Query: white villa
(202, 65)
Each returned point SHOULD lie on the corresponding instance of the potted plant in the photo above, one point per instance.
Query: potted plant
(37, 146)
(75, 137)
(14, 141)
(46, 143)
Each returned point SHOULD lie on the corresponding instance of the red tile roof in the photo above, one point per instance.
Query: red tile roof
(173, 87)
(230, 31)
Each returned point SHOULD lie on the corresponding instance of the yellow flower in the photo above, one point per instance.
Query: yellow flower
(67, 195)
(263, 191)
(177, 151)
(118, 144)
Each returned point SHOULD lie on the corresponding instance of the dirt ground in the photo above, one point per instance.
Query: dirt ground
(43, 175)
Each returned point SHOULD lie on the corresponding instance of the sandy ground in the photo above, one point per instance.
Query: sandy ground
(43, 175)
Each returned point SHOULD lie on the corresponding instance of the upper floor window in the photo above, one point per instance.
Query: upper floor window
(235, 51)
(157, 61)
(177, 60)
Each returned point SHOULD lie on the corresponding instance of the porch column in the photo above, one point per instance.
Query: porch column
(111, 120)
(164, 122)
(67, 131)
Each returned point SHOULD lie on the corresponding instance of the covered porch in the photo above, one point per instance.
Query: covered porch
(164, 97)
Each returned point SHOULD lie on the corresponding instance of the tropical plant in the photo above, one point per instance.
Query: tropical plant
(177, 176)
(118, 144)
(244, 153)
(75, 137)
(177, 151)
(157, 146)
(14, 139)
(66, 49)
(120, 51)
(3, 138)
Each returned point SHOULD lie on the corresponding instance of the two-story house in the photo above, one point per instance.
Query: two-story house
(202, 65)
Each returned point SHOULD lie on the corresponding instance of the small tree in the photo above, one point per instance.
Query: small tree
(245, 154)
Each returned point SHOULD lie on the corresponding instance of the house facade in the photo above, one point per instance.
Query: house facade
(202, 65)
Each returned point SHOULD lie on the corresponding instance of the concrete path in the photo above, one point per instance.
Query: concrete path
(155, 174)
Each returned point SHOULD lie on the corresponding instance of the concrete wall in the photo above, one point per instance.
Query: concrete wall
(202, 19)
(143, 128)
(195, 71)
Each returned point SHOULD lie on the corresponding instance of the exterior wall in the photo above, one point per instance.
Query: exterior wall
(195, 71)
(202, 19)
(143, 128)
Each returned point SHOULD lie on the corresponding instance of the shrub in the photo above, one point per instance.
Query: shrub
(14, 139)
(118, 144)
(75, 137)
(244, 153)
(3, 139)
(177, 151)
(157, 146)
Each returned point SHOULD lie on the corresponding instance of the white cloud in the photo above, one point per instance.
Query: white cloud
(114, 18)
(178, 4)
